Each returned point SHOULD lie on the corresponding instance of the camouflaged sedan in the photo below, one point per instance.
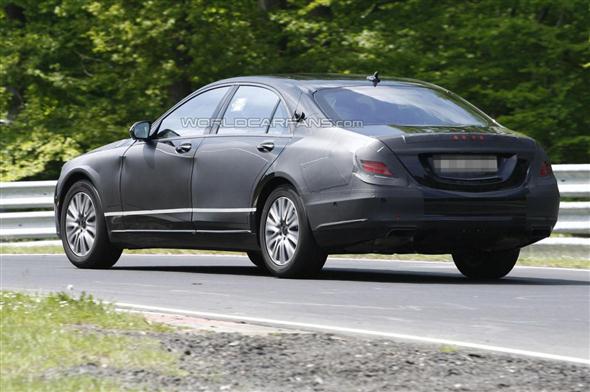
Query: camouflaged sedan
(292, 168)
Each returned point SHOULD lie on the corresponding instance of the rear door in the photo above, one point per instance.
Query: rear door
(156, 174)
(252, 132)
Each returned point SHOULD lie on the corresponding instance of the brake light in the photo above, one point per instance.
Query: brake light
(545, 169)
(375, 167)
(464, 137)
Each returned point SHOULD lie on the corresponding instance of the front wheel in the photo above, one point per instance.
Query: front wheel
(83, 229)
(486, 265)
(287, 243)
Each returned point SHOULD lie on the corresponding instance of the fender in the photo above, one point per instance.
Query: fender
(102, 168)
(64, 184)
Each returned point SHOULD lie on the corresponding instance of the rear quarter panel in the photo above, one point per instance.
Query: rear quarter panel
(320, 162)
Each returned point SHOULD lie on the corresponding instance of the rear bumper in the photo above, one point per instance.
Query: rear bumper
(423, 220)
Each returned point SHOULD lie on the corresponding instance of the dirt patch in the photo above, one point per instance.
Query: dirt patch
(212, 361)
(198, 325)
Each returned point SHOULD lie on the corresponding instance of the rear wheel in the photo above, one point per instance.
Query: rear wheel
(486, 265)
(288, 247)
(83, 229)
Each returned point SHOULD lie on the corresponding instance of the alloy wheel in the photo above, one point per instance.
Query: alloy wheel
(80, 224)
(282, 231)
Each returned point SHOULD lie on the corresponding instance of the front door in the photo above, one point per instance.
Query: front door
(252, 133)
(156, 174)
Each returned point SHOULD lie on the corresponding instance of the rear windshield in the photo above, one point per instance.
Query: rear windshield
(397, 105)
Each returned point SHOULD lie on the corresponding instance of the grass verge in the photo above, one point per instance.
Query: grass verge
(45, 341)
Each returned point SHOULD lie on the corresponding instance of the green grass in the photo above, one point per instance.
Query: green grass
(539, 261)
(445, 348)
(11, 249)
(42, 337)
(562, 262)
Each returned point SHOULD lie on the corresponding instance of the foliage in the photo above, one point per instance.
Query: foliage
(76, 74)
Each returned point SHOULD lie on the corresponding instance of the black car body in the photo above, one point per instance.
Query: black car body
(427, 183)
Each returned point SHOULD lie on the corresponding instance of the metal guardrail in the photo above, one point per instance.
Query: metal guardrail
(573, 180)
(27, 195)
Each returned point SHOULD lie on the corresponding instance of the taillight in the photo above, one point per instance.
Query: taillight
(545, 169)
(376, 167)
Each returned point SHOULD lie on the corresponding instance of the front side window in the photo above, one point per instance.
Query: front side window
(249, 111)
(397, 105)
(194, 116)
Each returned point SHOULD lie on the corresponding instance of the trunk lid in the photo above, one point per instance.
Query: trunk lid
(463, 159)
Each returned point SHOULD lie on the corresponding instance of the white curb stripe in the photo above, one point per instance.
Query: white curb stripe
(355, 331)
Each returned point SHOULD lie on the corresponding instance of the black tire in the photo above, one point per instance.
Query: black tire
(257, 259)
(486, 265)
(308, 258)
(102, 254)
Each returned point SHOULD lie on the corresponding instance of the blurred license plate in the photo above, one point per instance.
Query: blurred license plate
(452, 164)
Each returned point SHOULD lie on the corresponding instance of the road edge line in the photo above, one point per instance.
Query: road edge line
(353, 331)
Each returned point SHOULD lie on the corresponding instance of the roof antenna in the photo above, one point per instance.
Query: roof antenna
(374, 78)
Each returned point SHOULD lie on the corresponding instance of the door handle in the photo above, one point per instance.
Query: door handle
(266, 146)
(185, 147)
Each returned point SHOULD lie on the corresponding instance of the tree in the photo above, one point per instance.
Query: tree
(76, 74)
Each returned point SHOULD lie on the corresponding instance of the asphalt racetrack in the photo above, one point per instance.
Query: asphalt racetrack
(543, 312)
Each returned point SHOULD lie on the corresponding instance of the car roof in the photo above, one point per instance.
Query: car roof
(314, 82)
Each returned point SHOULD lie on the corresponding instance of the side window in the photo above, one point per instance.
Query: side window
(280, 122)
(194, 116)
(249, 111)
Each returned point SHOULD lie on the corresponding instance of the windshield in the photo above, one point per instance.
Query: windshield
(397, 105)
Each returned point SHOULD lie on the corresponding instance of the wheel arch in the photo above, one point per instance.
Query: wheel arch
(69, 180)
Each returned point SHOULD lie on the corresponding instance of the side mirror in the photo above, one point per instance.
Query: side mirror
(140, 130)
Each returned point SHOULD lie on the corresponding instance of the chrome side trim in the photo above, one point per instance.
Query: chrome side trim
(152, 231)
(149, 212)
(179, 211)
(210, 210)
(224, 231)
(182, 231)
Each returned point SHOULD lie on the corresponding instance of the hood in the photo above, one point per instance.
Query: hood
(110, 146)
